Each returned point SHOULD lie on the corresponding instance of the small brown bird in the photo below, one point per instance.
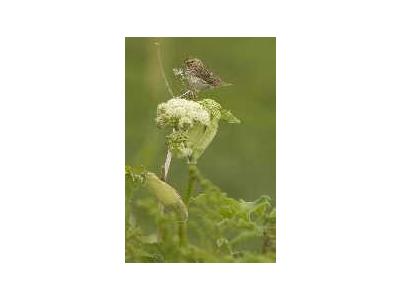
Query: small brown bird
(198, 76)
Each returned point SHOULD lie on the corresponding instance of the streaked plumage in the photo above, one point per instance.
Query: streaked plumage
(198, 76)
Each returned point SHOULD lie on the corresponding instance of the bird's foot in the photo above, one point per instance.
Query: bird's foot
(191, 94)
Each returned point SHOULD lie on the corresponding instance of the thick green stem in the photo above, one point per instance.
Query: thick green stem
(182, 230)
(191, 182)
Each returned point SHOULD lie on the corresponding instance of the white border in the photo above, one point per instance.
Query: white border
(62, 141)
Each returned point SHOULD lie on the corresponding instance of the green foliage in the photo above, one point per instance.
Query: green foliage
(220, 228)
(135, 176)
(218, 112)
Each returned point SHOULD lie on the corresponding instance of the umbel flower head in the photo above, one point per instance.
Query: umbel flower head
(194, 125)
(180, 113)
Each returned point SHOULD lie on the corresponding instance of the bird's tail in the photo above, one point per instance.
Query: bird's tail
(224, 84)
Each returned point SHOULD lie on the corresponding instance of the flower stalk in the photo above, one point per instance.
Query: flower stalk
(193, 125)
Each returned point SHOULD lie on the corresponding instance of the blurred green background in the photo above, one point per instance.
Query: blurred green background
(241, 158)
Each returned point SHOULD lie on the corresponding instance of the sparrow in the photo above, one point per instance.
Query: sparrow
(198, 76)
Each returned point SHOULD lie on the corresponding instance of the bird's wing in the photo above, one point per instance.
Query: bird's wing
(206, 75)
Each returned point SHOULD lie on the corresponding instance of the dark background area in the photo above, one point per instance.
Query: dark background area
(241, 158)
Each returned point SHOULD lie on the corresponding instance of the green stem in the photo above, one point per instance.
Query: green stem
(182, 230)
(191, 182)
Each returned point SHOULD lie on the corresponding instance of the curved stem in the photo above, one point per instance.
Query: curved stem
(162, 69)
(165, 167)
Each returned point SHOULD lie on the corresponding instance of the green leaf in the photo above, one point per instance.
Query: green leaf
(227, 116)
(200, 137)
(218, 112)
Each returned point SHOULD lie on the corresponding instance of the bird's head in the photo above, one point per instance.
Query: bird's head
(193, 62)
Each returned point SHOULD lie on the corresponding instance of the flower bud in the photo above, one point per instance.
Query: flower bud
(167, 195)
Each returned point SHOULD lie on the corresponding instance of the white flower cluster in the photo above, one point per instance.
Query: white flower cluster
(181, 114)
